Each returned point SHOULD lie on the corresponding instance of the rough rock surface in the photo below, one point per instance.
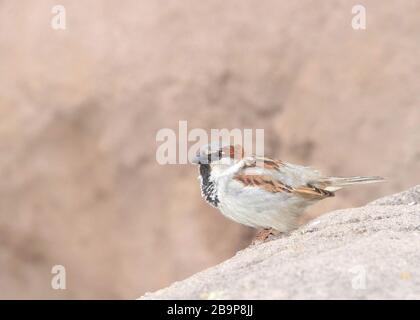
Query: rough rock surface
(371, 252)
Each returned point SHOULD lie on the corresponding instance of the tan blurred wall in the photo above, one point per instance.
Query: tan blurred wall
(80, 108)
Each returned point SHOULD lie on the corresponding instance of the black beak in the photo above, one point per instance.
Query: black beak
(200, 159)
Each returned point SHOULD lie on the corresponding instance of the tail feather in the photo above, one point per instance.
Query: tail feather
(337, 183)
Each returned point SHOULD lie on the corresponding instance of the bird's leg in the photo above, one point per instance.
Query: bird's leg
(263, 235)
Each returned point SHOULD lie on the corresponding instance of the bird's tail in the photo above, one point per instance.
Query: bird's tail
(337, 183)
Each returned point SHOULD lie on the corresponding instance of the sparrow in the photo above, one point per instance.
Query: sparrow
(260, 192)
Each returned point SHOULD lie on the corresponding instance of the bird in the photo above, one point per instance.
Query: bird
(259, 192)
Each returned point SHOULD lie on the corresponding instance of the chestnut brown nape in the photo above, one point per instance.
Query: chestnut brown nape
(234, 151)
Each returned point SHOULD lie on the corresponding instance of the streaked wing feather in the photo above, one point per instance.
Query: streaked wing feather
(277, 176)
(264, 182)
(311, 192)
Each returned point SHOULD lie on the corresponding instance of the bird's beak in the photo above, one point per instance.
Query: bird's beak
(198, 159)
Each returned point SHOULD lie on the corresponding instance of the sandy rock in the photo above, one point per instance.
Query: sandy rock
(371, 252)
(410, 197)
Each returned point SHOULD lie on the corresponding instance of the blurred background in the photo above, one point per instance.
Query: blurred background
(80, 109)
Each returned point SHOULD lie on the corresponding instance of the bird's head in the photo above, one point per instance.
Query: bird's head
(218, 155)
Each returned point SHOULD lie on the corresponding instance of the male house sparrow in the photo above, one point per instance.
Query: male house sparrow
(261, 192)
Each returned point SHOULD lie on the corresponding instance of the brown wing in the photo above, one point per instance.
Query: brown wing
(272, 184)
(313, 193)
(264, 182)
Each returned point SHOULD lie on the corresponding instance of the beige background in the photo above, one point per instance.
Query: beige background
(80, 108)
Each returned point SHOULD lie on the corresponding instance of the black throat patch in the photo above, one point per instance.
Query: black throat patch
(208, 187)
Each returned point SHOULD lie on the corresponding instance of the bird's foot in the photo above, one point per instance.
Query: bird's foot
(264, 235)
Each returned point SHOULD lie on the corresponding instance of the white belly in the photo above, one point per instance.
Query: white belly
(260, 209)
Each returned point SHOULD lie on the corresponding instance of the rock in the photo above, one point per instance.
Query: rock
(371, 252)
(409, 197)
